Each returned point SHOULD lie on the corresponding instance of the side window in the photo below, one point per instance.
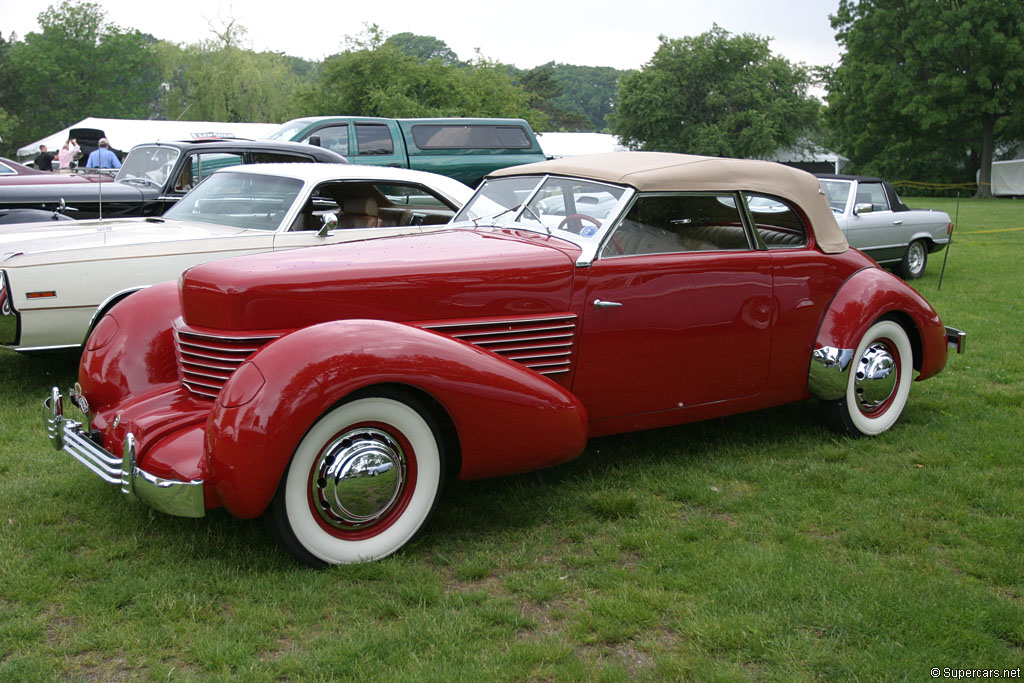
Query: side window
(669, 223)
(458, 136)
(198, 167)
(874, 194)
(374, 138)
(277, 158)
(334, 138)
(778, 224)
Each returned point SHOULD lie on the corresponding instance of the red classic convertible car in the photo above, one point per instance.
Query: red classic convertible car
(331, 390)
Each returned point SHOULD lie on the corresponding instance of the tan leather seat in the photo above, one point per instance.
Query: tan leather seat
(359, 212)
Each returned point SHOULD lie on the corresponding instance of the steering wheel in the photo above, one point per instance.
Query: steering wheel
(578, 218)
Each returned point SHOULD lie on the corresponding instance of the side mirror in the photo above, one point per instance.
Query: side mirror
(314, 140)
(862, 208)
(330, 222)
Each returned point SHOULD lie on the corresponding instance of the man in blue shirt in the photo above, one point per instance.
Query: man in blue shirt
(102, 157)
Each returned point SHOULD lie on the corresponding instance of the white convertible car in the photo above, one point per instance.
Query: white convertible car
(877, 222)
(58, 278)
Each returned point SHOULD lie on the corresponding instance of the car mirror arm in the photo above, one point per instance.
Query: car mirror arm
(330, 222)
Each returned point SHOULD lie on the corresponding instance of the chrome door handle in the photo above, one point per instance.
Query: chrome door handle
(606, 304)
(897, 222)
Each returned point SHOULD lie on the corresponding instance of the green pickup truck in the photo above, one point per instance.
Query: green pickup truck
(464, 149)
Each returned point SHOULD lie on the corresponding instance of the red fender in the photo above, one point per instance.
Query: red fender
(131, 349)
(509, 419)
(870, 294)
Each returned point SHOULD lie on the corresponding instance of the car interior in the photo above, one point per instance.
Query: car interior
(360, 204)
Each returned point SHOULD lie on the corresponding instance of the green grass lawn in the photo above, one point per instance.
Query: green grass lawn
(756, 547)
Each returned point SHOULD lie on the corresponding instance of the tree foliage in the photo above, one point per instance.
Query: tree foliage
(589, 91)
(221, 80)
(926, 87)
(79, 65)
(423, 48)
(716, 94)
(376, 78)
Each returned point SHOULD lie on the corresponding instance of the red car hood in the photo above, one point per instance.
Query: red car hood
(452, 274)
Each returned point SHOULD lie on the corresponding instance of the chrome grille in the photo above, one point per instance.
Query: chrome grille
(543, 344)
(206, 361)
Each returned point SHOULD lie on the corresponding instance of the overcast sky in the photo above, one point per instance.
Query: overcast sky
(620, 33)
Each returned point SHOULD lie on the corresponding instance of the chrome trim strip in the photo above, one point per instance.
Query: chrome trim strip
(22, 349)
(525, 330)
(571, 318)
(829, 372)
(180, 498)
(265, 337)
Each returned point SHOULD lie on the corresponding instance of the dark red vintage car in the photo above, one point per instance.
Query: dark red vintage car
(332, 389)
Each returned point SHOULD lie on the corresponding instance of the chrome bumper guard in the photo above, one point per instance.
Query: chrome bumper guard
(829, 372)
(956, 339)
(180, 498)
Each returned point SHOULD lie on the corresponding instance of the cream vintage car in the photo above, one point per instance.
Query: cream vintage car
(57, 278)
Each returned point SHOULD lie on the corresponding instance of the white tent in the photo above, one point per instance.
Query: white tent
(561, 144)
(1008, 178)
(124, 134)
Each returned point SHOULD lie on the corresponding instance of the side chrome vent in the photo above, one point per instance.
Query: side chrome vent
(206, 361)
(543, 344)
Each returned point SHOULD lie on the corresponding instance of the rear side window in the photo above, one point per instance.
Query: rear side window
(374, 138)
(778, 224)
(458, 136)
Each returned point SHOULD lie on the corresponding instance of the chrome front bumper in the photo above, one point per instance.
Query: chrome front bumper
(181, 498)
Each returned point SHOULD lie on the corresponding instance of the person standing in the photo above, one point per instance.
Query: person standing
(102, 157)
(44, 162)
(67, 153)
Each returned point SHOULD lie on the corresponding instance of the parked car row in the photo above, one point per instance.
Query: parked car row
(331, 390)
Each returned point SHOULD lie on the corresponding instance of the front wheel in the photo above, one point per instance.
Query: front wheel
(361, 484)
(914, 260)
(879, 383)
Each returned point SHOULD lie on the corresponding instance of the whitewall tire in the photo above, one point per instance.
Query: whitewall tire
(879, 383)
(362, 482)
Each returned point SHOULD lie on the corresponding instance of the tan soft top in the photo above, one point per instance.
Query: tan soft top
(664, 172)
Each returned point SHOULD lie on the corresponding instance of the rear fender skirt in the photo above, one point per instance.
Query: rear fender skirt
(868, 295)
(508, 419)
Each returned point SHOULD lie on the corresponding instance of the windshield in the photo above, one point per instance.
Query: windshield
(548, 204)
(837, 191)
(289, 130)
(149, 165)
(242, 200)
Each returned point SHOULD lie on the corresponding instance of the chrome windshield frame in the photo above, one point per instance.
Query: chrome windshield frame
(590, 246)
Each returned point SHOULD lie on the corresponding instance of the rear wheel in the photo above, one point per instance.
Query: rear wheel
(361, 484)
(914, 260)
(879, 383)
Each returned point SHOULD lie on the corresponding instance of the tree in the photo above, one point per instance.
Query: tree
(221, 80)
(926, 87)
(423, 48)
(375, 78)
(589, 91)
(715, 94)
(544, 89)
(79, 66)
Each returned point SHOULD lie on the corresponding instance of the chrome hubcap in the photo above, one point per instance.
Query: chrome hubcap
(915, 259)
(875, 379)
(357, 478)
